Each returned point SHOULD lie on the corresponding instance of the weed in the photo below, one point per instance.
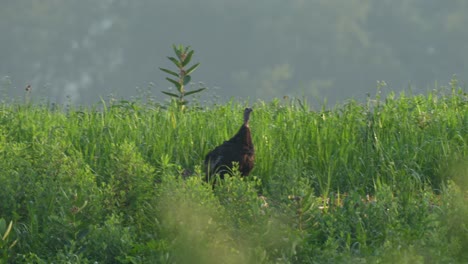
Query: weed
(382, 182)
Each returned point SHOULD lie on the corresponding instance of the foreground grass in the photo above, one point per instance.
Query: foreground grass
(381, 182)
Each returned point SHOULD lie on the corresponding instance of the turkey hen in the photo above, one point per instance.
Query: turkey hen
(239, 149)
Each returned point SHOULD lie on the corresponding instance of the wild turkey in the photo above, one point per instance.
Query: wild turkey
(238, 149)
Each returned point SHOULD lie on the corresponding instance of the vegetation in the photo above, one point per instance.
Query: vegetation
(379, 182)
(334, 49)
(184, 56)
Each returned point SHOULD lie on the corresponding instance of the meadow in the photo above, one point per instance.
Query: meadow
(384, 181)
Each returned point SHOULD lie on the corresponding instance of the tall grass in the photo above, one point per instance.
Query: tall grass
(351, 183)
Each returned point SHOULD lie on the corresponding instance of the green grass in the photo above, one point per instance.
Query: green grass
(380, 182)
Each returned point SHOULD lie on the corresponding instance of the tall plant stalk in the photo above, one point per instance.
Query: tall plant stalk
(182, 76)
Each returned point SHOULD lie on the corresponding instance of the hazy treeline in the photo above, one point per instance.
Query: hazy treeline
(331, 49)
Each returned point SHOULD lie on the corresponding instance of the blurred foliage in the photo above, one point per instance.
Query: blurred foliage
(321, 48)
(121, 182)
(6, 242)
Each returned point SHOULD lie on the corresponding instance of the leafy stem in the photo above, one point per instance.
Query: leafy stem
(182, 75)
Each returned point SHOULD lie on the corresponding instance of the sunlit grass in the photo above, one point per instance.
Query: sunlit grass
(354, 182)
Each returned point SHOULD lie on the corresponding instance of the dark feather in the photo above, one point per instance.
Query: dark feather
(239, 149)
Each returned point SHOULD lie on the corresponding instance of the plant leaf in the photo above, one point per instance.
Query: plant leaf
(194, 91)
(175, 61)
(191, 69)
(176, 83)
(187, 79)
(13, 244)
(7, 232)
(2, 225)
(187, 58)
(169, 71)
(170, 94)
(177, 50)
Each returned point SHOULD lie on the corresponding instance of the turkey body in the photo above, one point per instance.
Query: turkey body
(239, 149)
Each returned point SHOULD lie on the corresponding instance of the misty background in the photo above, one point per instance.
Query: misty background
(79, 51)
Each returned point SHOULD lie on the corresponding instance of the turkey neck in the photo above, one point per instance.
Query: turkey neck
(247, 138)
(244, 131)
(246, 119)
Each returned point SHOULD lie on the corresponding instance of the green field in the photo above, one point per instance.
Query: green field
(384, 181)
